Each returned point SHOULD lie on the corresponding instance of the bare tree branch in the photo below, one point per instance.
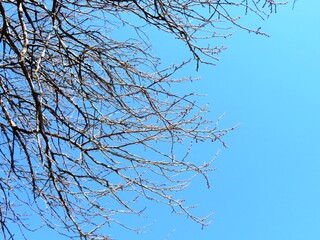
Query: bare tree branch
(88, 116)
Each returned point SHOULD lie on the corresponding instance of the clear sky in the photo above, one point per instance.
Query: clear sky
(267, 183)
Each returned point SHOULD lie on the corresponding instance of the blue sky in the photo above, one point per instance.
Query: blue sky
(266, 186)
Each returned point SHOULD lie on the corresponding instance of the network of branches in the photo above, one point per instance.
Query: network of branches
(89, 116)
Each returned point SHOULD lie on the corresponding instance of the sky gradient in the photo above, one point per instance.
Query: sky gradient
(266, 183)
(266, 186)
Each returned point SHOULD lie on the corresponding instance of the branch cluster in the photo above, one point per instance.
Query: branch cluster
(82, 113)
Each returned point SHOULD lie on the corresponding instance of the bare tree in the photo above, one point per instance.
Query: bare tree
(89, 116)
